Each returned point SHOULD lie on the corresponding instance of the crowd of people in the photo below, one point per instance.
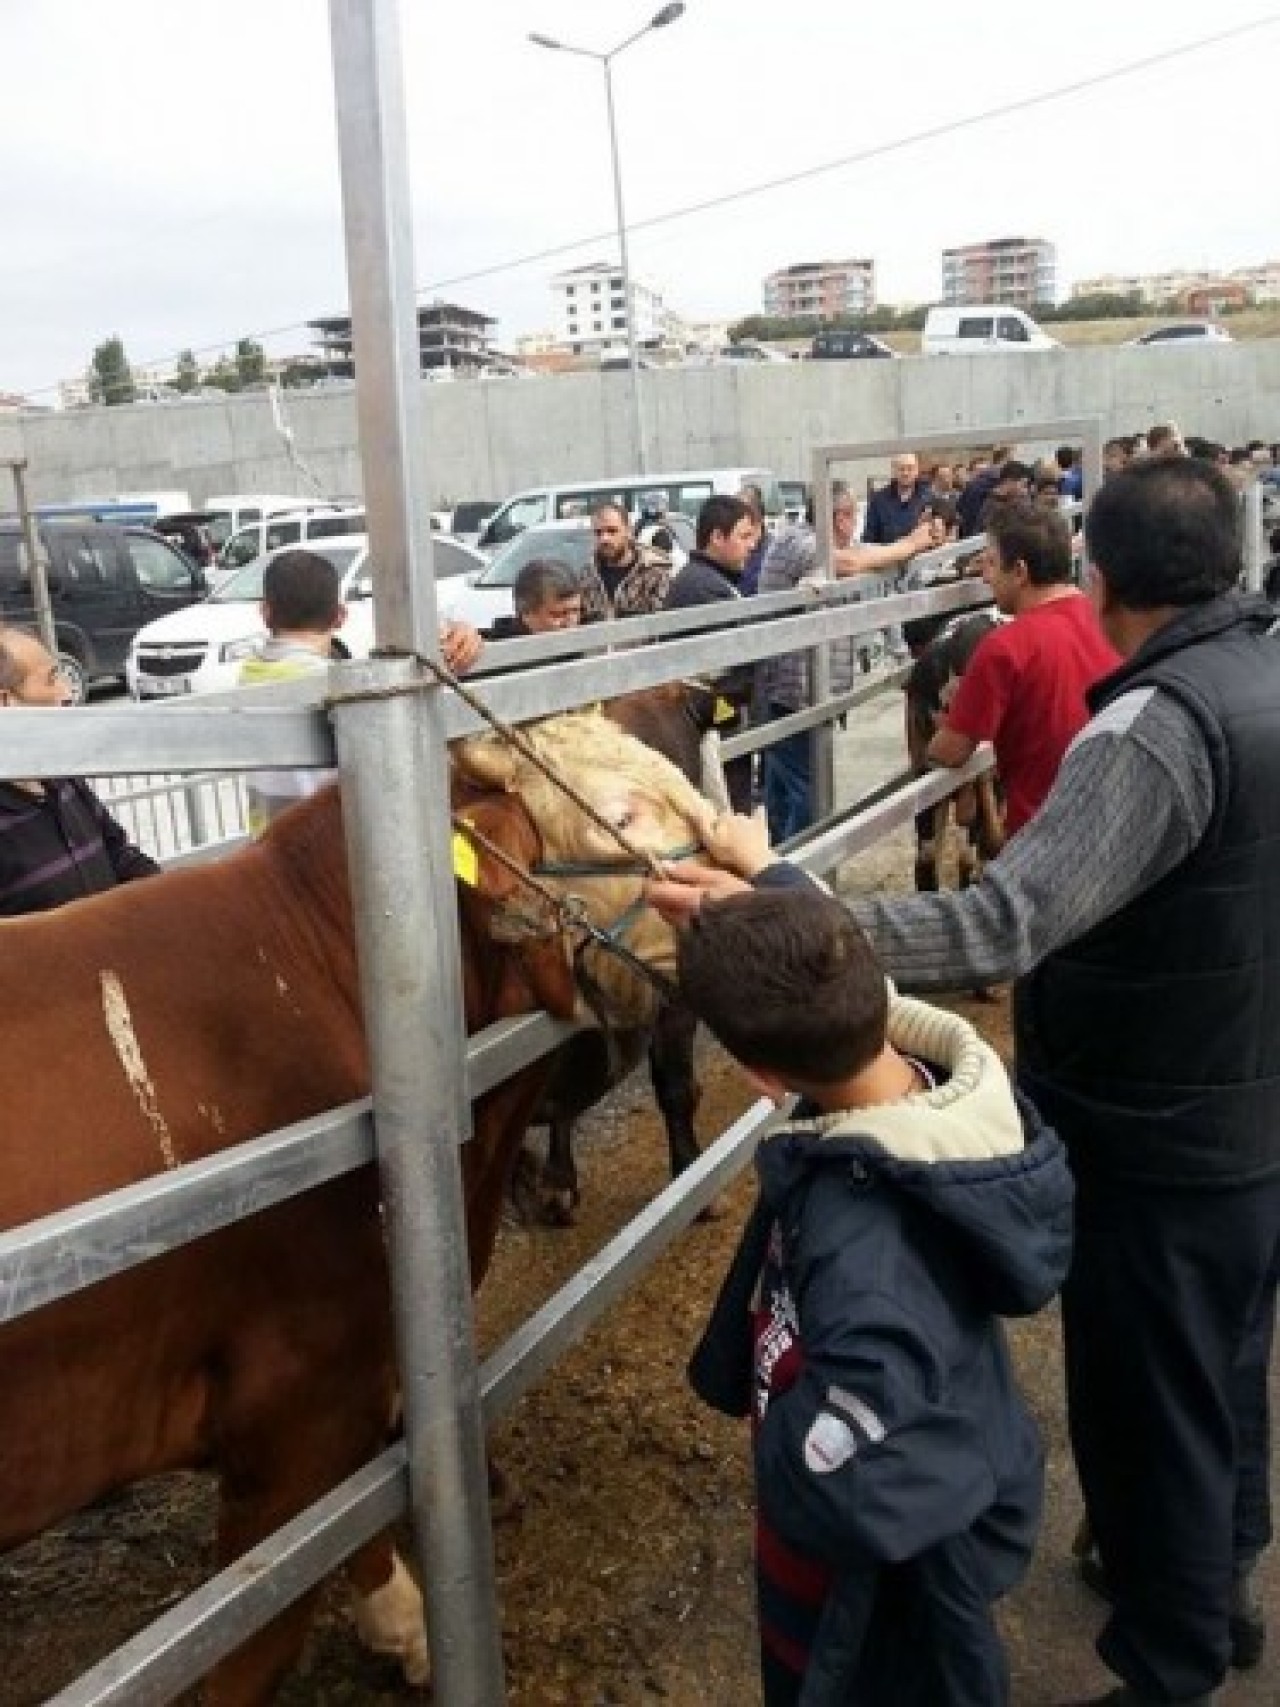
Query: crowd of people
(1132, 909)
(913, 1197)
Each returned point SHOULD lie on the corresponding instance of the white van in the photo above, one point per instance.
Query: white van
(685, 491)
(233, 510)
(979, 327)
(288, 527)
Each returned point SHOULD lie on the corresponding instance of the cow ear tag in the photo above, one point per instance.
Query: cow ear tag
(724, 712)
(466, 864)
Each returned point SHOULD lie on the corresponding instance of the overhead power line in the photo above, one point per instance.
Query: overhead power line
(876, 151)
(860, 157)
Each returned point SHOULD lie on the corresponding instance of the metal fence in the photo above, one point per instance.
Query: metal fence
(390, 747)
(81, 1246)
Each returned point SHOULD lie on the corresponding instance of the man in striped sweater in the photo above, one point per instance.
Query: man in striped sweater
(58, 842)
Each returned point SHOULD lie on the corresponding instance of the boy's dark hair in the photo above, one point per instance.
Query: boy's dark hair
(1066, 456)
(1040, 538)
(720, 514)
(302, 590)
(542, 580)
(944, 510)
(1015, 470)
(787, 982)
(1166, 532)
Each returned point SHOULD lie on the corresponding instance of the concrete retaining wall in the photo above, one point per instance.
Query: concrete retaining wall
(489, 438)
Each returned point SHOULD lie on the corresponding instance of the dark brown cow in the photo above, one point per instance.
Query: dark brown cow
(262, 1352)
(941, 663)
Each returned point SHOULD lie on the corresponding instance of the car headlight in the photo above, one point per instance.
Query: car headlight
(232, 651)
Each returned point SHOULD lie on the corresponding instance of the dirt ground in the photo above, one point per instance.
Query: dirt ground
(625, 1565)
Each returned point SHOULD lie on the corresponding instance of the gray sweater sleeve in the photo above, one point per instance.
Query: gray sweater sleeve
(1132, 799)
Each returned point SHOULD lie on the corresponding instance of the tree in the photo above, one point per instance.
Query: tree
(1101, 305)
(251, 362)
(299, 372)
(110, 376)
(224, 375)
(186, 375)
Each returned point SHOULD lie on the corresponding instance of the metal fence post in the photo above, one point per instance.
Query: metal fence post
(197, 815)
(1255, 551)
(393, 762)
(37, 563)
(822, 748)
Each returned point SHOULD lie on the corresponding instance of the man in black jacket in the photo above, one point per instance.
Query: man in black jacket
(58, 842)
(725, 538)
(546, 598)
(1140, 912)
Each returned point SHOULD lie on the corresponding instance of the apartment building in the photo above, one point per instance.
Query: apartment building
(1259, 283)
(449, 336)
(821, 290)
(1020, 271)
(590, 310)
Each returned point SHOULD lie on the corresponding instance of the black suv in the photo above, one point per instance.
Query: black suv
(105, 583)
(838, 343)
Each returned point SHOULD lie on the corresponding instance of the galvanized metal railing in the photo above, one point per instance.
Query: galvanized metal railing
(81, 1246)
(391, 752)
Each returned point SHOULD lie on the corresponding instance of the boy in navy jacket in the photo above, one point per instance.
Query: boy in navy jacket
(908, 1203)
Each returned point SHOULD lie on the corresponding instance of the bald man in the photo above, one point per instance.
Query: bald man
(58, 842)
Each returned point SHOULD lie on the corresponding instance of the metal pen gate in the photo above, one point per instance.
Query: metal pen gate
(391, 751)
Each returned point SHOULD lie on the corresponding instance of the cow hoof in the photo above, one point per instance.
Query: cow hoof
(558, 1208)
(505, 1502)
(523, 1205)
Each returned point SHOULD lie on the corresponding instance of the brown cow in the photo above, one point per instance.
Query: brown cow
(262, 1352)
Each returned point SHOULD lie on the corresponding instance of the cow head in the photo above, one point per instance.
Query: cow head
(631, 787)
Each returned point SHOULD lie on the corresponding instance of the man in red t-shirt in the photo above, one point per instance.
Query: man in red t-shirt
(1025, 685)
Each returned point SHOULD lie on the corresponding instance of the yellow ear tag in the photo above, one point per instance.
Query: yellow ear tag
(466, 864)
(723, 712)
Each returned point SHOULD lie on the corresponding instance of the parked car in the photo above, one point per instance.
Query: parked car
(291, 527)
(201, 650)
(482, 598)
(685, 491)
(984, 327)
(469, 517)
(795, 499)
(748, 350)
(839, 344)
(105, 583)
(1184, 332)
(192, 532)
(234, 510)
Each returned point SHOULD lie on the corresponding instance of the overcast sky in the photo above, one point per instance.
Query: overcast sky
(170, 167)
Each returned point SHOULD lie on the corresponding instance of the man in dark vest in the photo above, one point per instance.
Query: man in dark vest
(1140, 913)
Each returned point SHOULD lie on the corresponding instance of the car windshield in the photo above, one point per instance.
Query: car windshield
(220, 527)
(571, 545)
(245, 587)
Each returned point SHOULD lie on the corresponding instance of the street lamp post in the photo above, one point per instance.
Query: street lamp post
(659, 21)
